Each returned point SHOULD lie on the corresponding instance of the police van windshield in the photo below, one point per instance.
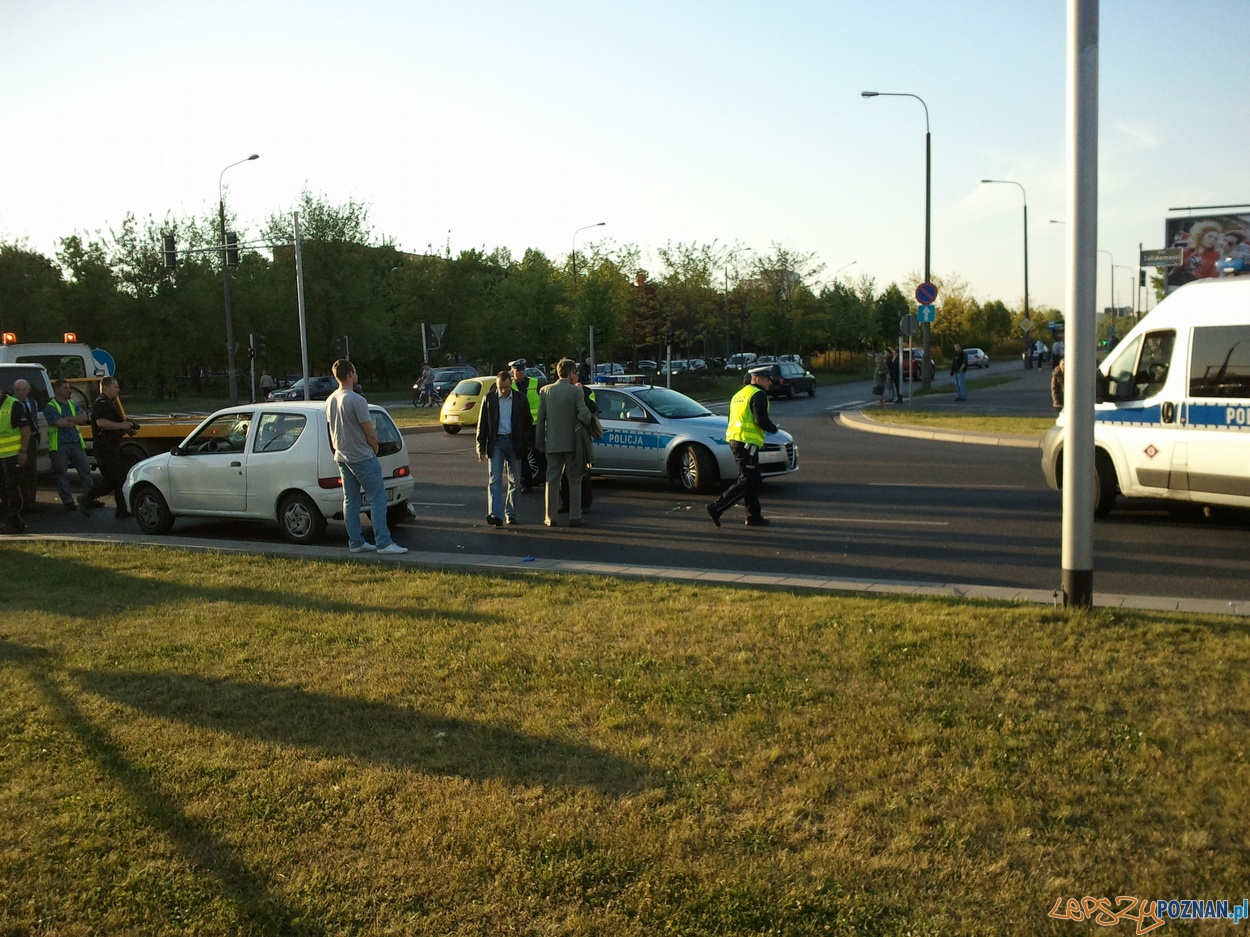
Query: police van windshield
(672, 405)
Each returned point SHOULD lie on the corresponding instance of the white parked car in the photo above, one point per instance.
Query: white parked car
(267, 461)
(977, 358)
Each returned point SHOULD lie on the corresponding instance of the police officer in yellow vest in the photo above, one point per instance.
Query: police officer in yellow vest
(748, 422)
(14, 442)
(533, 462)
(65, 443)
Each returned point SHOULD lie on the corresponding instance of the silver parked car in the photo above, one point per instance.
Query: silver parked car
(977, 358)
(659, 433)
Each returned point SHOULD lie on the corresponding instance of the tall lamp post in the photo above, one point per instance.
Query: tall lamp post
(1028, 357)
(1111, 286)
(926, 367)
(597, 224)
(225, 282)
(729, 257)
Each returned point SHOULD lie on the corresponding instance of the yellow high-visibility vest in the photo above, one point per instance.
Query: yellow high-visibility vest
(742, 426)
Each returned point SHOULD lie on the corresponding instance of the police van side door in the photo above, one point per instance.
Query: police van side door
(1216, 413)
(1135, 418)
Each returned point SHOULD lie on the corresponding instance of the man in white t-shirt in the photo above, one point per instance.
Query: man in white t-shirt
(355, 442)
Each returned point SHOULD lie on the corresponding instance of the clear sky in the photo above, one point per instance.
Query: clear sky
(512, 123)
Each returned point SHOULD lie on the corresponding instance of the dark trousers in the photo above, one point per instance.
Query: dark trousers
(587, 495)
(11, 489)
(747, 487)
(29, 473)
(533, 462)
(112, 475)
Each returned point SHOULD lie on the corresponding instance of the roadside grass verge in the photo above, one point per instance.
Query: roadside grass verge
(967, 422)
(214, 744)
(407, 416)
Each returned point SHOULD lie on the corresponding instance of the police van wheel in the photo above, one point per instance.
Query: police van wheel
(1105, 487)
(696, 469)
(151, 511)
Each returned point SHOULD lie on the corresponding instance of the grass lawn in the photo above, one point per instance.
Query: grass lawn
(212, 744)
(1015, 425)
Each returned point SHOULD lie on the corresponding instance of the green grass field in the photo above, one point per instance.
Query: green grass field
(212, 744)
(1012, 425)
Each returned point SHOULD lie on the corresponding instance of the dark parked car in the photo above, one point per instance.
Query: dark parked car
(794, 380)
(319, 388)
(446, 379)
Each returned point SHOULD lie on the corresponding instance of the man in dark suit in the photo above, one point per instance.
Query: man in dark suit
(503, 426)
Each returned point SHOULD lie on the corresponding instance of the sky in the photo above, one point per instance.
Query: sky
(478, 124)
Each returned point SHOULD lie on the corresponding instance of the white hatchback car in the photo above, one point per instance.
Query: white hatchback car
(267, 461)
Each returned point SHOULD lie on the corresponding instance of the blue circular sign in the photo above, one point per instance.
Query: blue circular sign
(926, 293)
(104, 361)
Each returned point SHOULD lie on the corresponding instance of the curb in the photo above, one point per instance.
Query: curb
(859, 420)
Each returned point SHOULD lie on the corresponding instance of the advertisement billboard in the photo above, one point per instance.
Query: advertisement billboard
(1206, 239)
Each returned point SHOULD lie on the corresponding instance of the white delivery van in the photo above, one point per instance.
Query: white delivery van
(1172, 418)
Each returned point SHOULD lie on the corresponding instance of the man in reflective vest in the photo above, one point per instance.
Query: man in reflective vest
(533, 462)
(65, 443)
(14, 442)
(748, 422)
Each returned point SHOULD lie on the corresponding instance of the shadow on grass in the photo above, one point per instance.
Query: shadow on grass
(88, 590)
(250, 894)
(367, 731)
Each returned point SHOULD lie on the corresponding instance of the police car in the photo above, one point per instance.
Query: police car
(657, 432)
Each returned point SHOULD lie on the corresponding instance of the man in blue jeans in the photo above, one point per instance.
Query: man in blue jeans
(503, 425)
(65, 443)
(959, 371)
(355, 442)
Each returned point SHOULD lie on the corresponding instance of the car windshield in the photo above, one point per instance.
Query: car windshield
(671, 405)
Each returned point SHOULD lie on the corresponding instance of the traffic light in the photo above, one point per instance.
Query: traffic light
(232, 249)
(258, 346)
(339, 349)
(171, 252)
(1141, 277)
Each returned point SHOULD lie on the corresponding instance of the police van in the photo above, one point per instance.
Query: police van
(1172, 417)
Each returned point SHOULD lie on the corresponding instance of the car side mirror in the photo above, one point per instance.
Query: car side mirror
(1102, 387)
(178, 450)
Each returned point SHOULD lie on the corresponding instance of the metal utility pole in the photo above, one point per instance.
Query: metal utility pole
(299, 292)
(231, 372)
(1081, 248)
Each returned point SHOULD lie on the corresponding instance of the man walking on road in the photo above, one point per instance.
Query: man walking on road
(355, 442)
(959, 371)
(561, 409)
(748, 422)
(502, 425)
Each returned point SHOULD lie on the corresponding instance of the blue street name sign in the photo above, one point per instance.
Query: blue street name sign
(926, 313)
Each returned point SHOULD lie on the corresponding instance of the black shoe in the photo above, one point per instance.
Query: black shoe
(493, 520)
(758, 522)
(68, 507)
(88, 505)
(714, 514)
(576, 522)
(512, 521)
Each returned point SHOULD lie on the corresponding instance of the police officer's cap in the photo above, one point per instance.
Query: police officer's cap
(770, 371)
(518, 365)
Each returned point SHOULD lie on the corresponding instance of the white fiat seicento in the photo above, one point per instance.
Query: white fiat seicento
(1172, 418)
(267, 461)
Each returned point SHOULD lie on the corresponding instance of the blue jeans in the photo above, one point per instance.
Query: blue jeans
(961, 391)
(364, 476)
(63, 459)
(499, 504)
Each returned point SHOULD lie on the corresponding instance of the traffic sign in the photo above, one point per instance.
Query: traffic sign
(926, 313)
(926, 294)
(1162, 257)
(103, 361)
(907, 326)
(1026, 325)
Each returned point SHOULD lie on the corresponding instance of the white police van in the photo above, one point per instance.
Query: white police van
(1172, 418)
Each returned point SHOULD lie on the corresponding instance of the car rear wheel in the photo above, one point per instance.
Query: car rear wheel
(396, 514)
(452, 428)
(1105, 486)
(301, 520)
(696, 469)
(151, 512)
(811, 391)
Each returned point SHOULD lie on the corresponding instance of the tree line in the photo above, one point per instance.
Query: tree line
(166, 328)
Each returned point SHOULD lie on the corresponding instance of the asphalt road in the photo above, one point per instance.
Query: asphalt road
(861, 505)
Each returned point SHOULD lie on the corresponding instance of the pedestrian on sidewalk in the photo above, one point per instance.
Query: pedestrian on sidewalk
(959, 371)
(892, 368)
(879, 376)
(1056, 385)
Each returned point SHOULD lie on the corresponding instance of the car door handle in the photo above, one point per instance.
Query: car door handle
(236, 464)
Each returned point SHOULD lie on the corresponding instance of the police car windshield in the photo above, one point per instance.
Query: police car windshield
(671, 405)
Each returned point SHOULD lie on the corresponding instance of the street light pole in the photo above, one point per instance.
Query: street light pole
(597, 224)
(1111, 286)
(1028, 356)
(231, 373)
(728, 257)
(926, 366)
